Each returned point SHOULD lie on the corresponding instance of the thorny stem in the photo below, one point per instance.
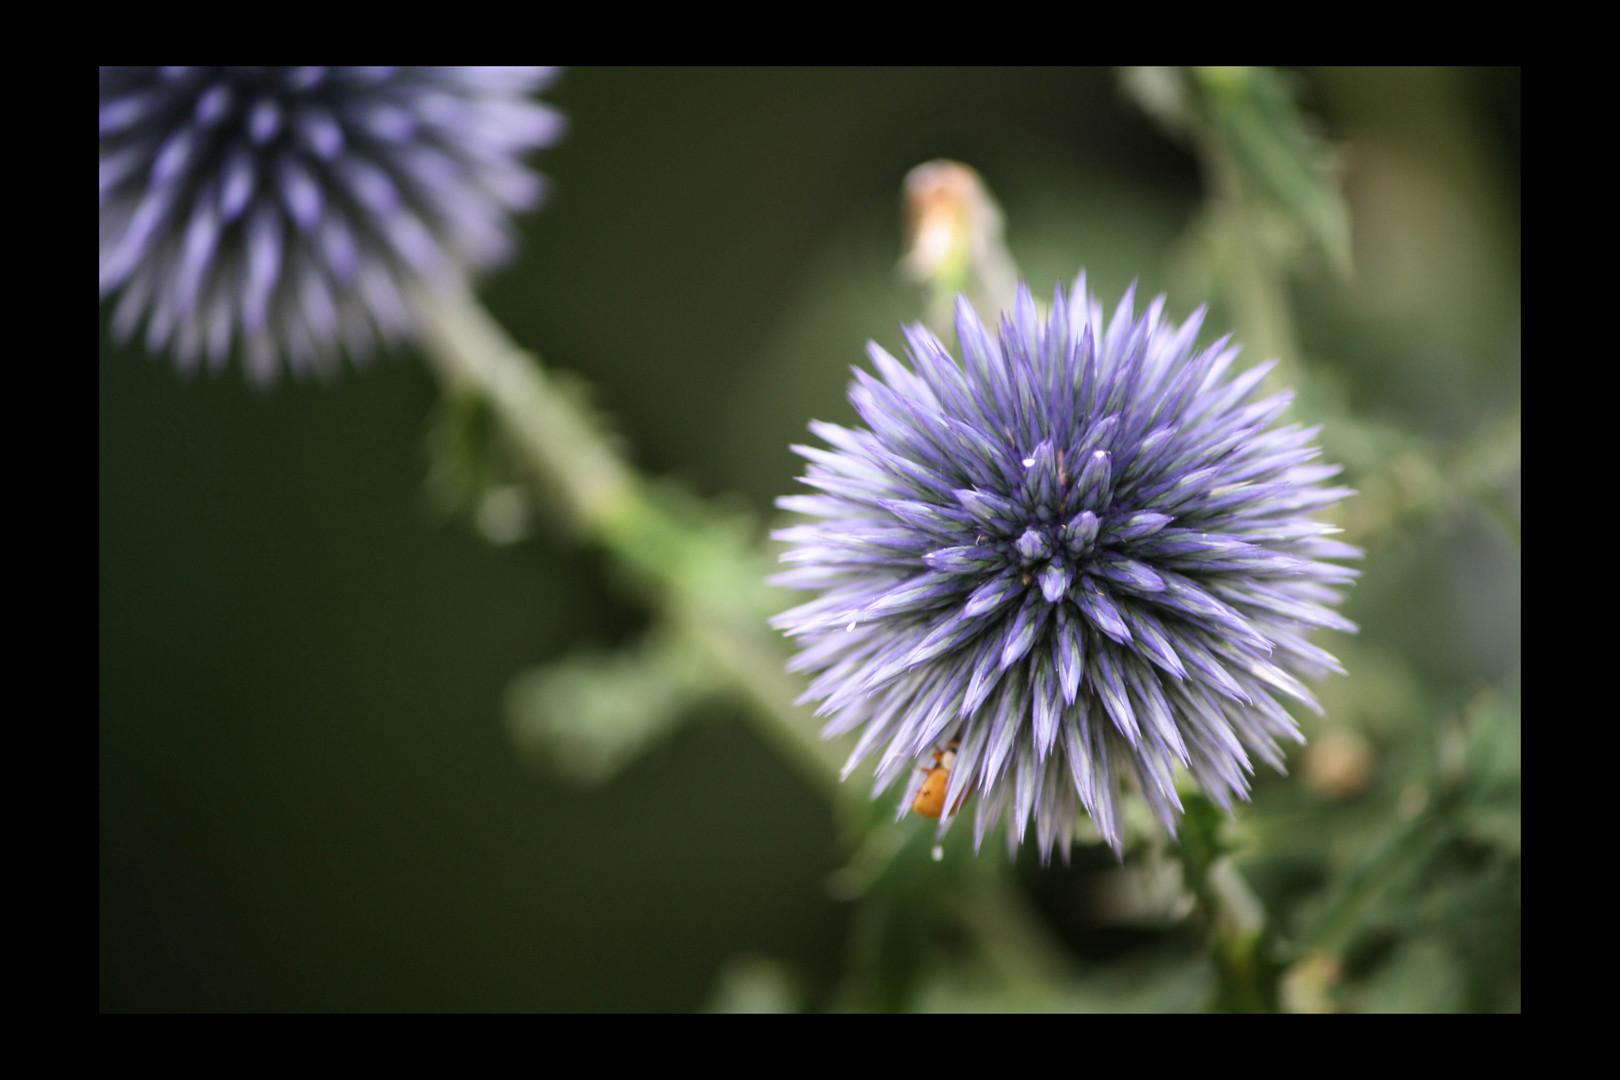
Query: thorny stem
(606, 502)
(1252, 283)
(470, 351)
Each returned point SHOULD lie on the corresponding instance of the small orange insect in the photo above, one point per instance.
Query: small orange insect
(930, 800)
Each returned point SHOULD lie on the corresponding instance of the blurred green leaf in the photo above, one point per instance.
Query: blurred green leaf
(472, 474)
(897, 926)
(1162, 981)
(1275, 145)
(1163, 94)
(1420, 976)
(1425, 911)
(755, 985)
(705, 552)
(589, 715)
(1234, 922)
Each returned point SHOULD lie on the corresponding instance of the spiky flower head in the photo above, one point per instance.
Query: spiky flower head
(289, 212)
(1087, 555)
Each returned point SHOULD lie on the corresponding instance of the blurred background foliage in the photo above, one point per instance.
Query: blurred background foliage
(375, 734)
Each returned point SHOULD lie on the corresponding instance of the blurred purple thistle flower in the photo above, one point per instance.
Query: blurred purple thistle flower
(1085, 554)
(289, 211)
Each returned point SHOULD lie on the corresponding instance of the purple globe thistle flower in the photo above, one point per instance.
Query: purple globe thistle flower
(1085, 555)
(289, 211)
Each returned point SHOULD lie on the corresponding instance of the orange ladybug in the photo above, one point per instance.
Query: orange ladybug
(930, 800)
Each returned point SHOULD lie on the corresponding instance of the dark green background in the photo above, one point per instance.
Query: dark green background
(307, 796)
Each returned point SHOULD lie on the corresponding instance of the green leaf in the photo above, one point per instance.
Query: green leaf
(755, 985)
(1253, 112)
(589, 715)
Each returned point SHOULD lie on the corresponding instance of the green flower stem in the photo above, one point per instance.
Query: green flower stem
(1248, 975)
(1251, 282)
(470, 351)
(1231, 916)
(603, 500)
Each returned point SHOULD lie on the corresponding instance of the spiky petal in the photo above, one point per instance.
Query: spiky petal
(1086, 552)
(286, 213)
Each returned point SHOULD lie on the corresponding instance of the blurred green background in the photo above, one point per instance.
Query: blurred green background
(309, 799)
